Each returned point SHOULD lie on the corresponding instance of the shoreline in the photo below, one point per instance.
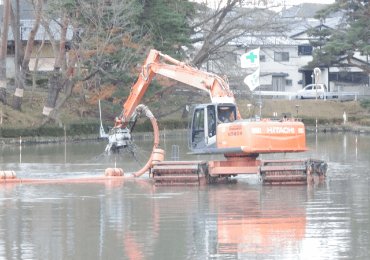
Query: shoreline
(163, 134)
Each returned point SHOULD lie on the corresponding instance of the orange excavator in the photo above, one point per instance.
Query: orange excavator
(217, 128)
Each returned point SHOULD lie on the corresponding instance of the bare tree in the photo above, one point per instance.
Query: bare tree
(35, 69)
(57, 80)
(218, 30)
(18, 95)
(3, 50)
(100, 30)
(18, 55)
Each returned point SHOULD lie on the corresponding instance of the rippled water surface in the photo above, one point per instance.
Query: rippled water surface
(136, 220)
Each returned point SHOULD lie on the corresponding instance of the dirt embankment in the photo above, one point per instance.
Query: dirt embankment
(30, 114)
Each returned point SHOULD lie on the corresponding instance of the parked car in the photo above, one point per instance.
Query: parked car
(310, 91)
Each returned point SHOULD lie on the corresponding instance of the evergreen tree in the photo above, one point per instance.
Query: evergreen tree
(165, 21)
(320, 57)
(164, 28)
(353, 35)
(101, 52)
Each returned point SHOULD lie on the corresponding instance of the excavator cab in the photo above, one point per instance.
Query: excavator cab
(206, 117)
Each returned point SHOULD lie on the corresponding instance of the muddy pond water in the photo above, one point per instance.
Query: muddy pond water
(136, 220)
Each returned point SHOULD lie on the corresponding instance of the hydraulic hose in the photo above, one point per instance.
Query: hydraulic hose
(149, 114)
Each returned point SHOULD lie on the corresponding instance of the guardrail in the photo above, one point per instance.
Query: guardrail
(294, 94)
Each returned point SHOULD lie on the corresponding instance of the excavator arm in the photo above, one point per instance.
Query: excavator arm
(216, 86)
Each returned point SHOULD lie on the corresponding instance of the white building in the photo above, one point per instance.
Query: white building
(282, 61)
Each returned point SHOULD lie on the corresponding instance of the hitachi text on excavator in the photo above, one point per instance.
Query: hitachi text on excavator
(217, 128)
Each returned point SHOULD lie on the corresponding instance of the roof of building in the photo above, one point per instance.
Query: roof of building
(26, 27)
(54, 27)
(252, 40)
(26, 10)
(27, 16)
(303, 26)
(298, 27)
(274, 74)
(304, 10)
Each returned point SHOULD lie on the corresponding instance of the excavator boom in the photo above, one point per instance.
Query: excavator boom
(217, 88)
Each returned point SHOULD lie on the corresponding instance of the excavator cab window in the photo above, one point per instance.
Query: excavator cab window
(198, 127)
(226, 114)
(211, 120)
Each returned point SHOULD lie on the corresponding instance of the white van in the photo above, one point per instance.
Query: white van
(310, 91)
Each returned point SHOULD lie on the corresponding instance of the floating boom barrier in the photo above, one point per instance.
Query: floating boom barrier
(194, 173)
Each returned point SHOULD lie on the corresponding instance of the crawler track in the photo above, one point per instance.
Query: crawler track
(271, 172)
(179, 173)
(292, 172)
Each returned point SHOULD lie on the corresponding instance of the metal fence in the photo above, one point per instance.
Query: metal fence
(327, 95)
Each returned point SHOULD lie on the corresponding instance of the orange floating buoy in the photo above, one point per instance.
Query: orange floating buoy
(113, 172)
(158, 156)
(8, 175)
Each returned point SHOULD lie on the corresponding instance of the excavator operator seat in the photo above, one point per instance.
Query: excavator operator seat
(226, 113)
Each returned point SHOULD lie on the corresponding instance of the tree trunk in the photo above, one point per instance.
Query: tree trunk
(35, 69)
(185, 112)
(15, 24)
(69, 84)
(3, 82)
(18, 46)
(56, 83)
(3, 50)
(18, 96)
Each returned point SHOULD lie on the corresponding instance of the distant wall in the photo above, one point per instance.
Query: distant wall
(46, 60)
(10, 68)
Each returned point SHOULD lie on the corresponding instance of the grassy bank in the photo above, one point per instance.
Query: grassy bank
(78, 115)
(326, 112)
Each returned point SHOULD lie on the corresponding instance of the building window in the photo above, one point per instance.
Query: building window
(10, 50)
(232, 57)
(262, 58)
(289, 82)
(304, 50)
(349, 77)
(281, 56)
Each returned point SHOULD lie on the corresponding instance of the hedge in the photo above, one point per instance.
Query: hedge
(365, 122)
(88, 128)
(85, 128)
(6, 132)
(170, 124)
(73, 129)
(331, 121)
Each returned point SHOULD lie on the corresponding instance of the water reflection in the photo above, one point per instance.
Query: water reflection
(261, 222)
